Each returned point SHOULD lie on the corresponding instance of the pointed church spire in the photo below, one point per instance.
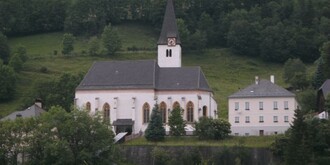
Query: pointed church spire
(169, 28)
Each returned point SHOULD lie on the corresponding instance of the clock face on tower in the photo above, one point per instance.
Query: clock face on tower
(171, 41)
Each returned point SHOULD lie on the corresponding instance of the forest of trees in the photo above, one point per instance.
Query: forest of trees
(274, 30)
(57, 137)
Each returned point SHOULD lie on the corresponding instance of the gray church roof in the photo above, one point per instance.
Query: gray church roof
(325, 88)
(142, 74)
(169, 28)
(32, 111)
(188, 78)
(120, 74)
(264, 88)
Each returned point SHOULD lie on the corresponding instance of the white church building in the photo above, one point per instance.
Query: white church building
(125, 92)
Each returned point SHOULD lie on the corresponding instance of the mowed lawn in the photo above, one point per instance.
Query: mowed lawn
(247, 141)
(225, 71)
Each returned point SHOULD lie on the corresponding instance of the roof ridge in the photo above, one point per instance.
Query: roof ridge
(264, 88)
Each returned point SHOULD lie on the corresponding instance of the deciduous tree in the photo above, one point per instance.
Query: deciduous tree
(67, 43)
(295, 73)
(4, 48)
(243, 36)
(93, 46)
(110, 39)
(75, 137)
(305, 100)
(88, 16)
(208, 128)
(52, 93)
(16, 62)
(21, 51)
(7, 83)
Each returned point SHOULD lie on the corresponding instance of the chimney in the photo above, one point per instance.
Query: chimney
(257, 80)
(272, 79)
(38, 103)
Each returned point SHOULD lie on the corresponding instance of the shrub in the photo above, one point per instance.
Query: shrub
(160, 156)
(215, 129)
(43, 69)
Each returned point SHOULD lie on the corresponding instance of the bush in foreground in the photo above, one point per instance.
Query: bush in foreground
(214, 129)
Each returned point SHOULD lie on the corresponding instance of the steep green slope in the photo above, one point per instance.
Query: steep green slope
(226, 72)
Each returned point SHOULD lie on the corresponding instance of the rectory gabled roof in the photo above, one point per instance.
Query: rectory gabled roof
(142, 74)
(169, 28)
(263, 88)
(325, 88)
(32, 111)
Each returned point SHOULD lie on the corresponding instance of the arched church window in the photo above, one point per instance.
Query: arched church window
(88, 107)
(163, 111)
(106, 112)
(176, 105)
(204, 111)
(190, 112)
(146, 112)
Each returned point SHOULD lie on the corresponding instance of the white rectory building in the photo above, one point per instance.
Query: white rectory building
(124, 92)
(262, 108)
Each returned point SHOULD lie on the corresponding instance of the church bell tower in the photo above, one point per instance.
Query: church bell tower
(169, 43)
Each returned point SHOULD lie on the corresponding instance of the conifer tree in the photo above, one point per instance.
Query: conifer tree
(176, 122)
(318, 77)
(297, 151)
(155, 130)
(325, 55)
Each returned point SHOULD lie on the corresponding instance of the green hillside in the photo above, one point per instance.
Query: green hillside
(225, 71)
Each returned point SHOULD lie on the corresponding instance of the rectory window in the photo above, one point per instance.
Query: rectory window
(275, 105)
(247, 106)
(286, 105)
(236, 119)
(236, 106)
(247, 119)
(261, 105)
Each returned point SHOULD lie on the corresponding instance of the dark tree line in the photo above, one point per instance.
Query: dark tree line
(306, 142)
(274, 30)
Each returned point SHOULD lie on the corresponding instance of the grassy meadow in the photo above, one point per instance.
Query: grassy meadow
(248, 141)
(225, 71)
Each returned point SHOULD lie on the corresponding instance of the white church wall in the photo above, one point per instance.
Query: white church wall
(174, 60)
(198, 98)
(121, 104)
(128, 104)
